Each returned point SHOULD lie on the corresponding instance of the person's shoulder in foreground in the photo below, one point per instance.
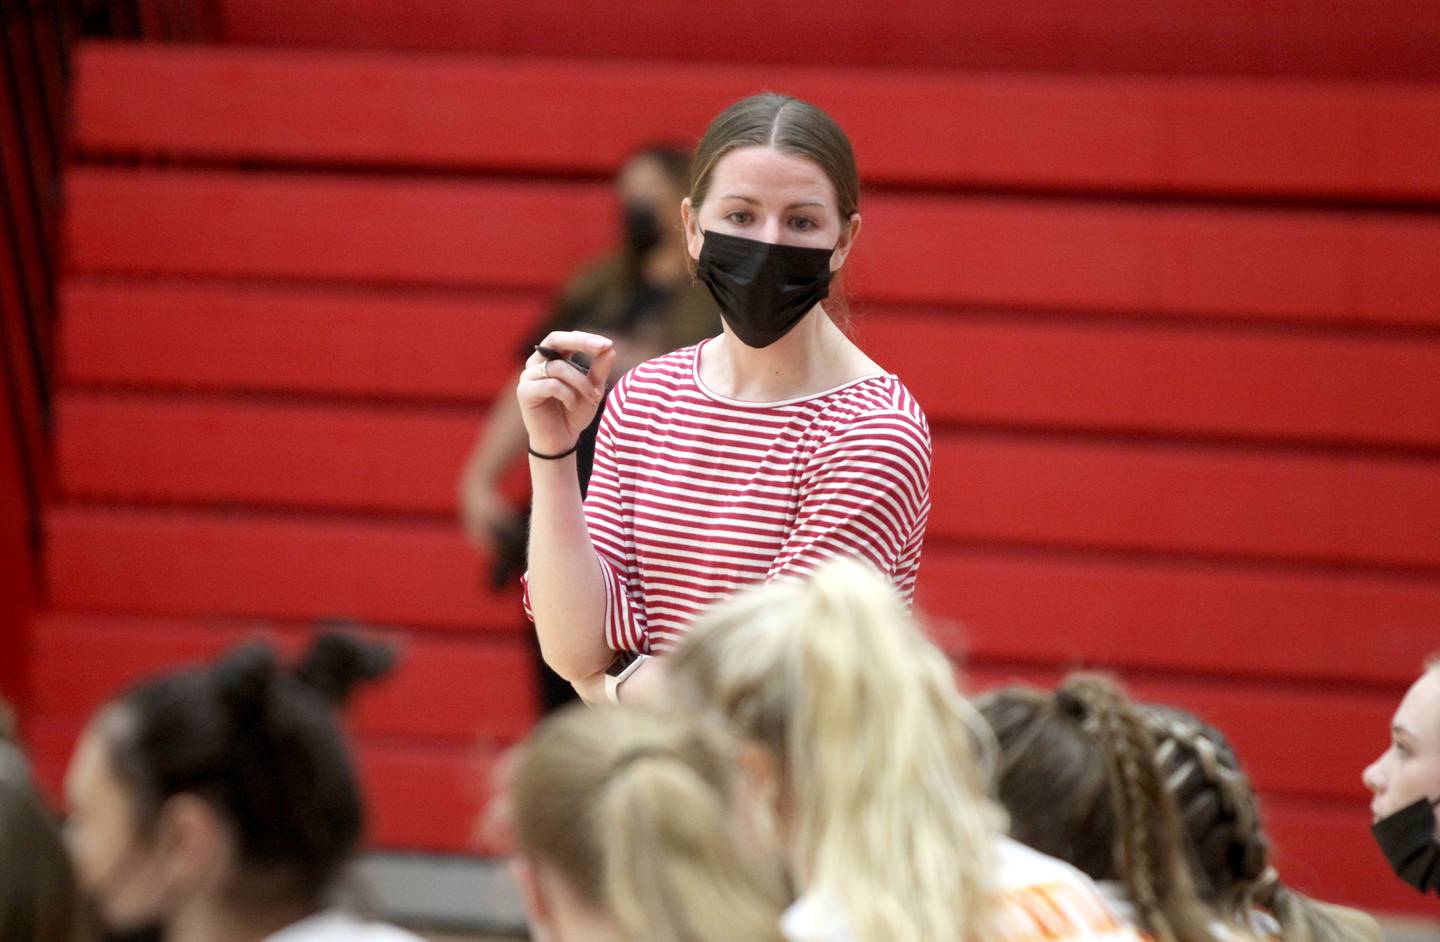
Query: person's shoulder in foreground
(1028, 882)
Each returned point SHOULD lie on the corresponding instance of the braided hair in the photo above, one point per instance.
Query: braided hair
(1079, 778)
(1228, 849)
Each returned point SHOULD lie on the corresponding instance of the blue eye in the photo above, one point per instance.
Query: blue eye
(802, 223)
(739, 217)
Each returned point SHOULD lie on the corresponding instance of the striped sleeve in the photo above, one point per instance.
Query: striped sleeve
(865, 494)
(609, 517)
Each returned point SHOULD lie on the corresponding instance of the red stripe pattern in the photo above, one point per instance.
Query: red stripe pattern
(695, 496)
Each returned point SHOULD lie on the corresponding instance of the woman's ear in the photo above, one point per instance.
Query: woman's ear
(847, 241)
(532, 895)
(694, 239)
(195, 847)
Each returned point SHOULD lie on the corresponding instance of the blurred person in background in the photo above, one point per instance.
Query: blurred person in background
(632, 826)
(870, 763)
(1405, 781)
(219, 804)
(1229, 851)
(39, 901)
(749, 457)
(1079, 776)
(643, 298)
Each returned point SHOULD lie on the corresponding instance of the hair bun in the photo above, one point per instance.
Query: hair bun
(337, 661)
(244, 676)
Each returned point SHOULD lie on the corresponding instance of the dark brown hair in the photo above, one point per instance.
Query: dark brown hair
(39, 901)
(261, 744)
(1079, 778)
(1230, 854)
(789, 125)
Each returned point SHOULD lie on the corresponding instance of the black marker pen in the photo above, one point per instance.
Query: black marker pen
(578, 360)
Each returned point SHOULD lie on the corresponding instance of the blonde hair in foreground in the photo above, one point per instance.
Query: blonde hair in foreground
(875, 743)
(639, 815)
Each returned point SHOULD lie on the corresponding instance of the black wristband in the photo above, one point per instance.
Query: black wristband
(563, 454)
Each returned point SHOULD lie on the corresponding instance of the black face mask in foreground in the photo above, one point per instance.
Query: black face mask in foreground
(1407, 839)
(763, 289)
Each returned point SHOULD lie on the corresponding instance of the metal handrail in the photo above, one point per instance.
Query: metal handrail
(36, 37)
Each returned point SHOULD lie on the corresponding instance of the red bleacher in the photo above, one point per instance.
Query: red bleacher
(1177, 338)
(1393, 39)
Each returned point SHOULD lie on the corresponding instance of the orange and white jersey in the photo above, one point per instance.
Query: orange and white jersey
(1036, 899)
(1040, 899)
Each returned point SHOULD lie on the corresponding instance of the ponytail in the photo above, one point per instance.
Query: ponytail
(1079, 777)
(1229, 852)
(877, 747)
(1148, 841)
(639, 814)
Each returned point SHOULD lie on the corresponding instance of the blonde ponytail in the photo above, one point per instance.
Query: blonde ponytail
(639, 814)
(877, 747)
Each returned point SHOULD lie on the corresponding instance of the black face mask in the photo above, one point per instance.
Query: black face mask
(642, 228)
(1407, 839)
(763, 289)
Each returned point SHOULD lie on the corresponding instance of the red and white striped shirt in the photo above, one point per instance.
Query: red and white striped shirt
(695, 495)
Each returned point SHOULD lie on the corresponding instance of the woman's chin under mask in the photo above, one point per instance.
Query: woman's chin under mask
(1407, 839)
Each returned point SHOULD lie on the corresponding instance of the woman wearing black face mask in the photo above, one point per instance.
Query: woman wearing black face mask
(749, 457)
(1405, 781)
(640, 296)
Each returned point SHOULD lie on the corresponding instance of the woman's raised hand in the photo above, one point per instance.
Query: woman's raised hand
(557, 401)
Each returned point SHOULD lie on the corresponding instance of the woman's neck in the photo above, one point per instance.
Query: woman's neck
(207, 920)
(813, 357)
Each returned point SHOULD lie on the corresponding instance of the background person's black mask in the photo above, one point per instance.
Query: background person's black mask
(641, 227)
(1407, 839)
(763, 289)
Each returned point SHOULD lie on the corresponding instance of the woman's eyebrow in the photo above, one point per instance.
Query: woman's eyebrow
(755, 202)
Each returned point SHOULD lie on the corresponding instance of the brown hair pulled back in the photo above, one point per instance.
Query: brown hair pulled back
(1079, 778)
(1230, 852)
(789, 125)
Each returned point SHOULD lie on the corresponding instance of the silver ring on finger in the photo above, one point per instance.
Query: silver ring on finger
(544, 369)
